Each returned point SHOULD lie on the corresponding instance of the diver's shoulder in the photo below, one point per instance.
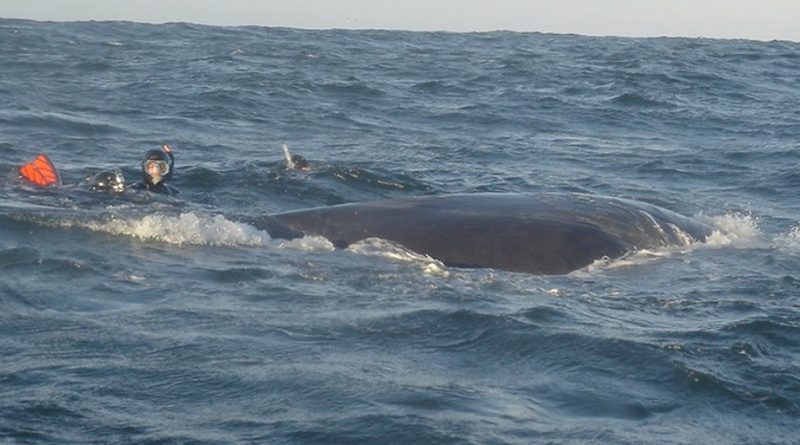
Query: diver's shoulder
(136, 186)
(161, 188)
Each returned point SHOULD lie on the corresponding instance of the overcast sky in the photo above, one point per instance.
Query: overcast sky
(750, 19)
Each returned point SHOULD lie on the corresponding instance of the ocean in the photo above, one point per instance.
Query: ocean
(171, 320)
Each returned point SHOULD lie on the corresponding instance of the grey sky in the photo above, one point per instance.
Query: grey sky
(751, 19)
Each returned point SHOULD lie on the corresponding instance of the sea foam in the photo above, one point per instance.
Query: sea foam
(190, 228)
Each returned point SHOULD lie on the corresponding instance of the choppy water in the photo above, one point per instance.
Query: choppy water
(165, 320)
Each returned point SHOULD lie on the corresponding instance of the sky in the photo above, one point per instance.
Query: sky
(746, 19)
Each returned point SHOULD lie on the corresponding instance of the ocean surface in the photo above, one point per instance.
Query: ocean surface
(170, 320)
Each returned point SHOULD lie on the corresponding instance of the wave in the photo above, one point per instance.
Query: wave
(308, 244)
(639, 100)
(395, 252)
(789, 241)
(353, 89)
(51, 121)
(439, 87)
(739, 230)
(185, 229)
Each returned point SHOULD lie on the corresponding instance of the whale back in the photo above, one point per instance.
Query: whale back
(539, 234)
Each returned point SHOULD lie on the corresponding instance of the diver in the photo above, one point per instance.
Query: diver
(157, 168)
(295, 162)
(41, 172)
(109, 181)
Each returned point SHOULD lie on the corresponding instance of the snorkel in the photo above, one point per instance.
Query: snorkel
(295, 162)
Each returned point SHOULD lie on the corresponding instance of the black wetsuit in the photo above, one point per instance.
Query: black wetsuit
(162, 187)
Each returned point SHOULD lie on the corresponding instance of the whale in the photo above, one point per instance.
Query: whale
(542, 233)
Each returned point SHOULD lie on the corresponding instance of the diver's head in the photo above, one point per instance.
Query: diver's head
(300, 163)
(106, 181)
(155, 167)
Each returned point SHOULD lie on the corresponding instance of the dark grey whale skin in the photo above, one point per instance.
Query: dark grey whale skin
(544, 234)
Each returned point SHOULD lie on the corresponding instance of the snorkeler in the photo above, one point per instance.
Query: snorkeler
(110, 181)
(295, 162)
(157, 168)
(42, 173)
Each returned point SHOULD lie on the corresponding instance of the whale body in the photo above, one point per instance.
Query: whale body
(547, 233)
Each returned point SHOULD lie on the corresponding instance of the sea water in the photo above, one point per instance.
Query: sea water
(170, 320)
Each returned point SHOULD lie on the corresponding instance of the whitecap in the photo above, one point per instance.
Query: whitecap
(395, 252)
(789, 241)
(308, 244)
(187, 228)
(632, 259)
(739, 229)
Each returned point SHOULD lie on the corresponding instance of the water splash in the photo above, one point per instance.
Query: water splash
(733, 229)
(395, 252)
(789, 241)
(632, 259)
(185, 229)
(739, 229)
(308, 244)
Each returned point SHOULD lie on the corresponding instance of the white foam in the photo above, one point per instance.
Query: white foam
(186, 228)
(789, 241)
(653, 222)
(392, 251)
(308, 244)
(684, 238)
(632, 259)
(736, 229)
